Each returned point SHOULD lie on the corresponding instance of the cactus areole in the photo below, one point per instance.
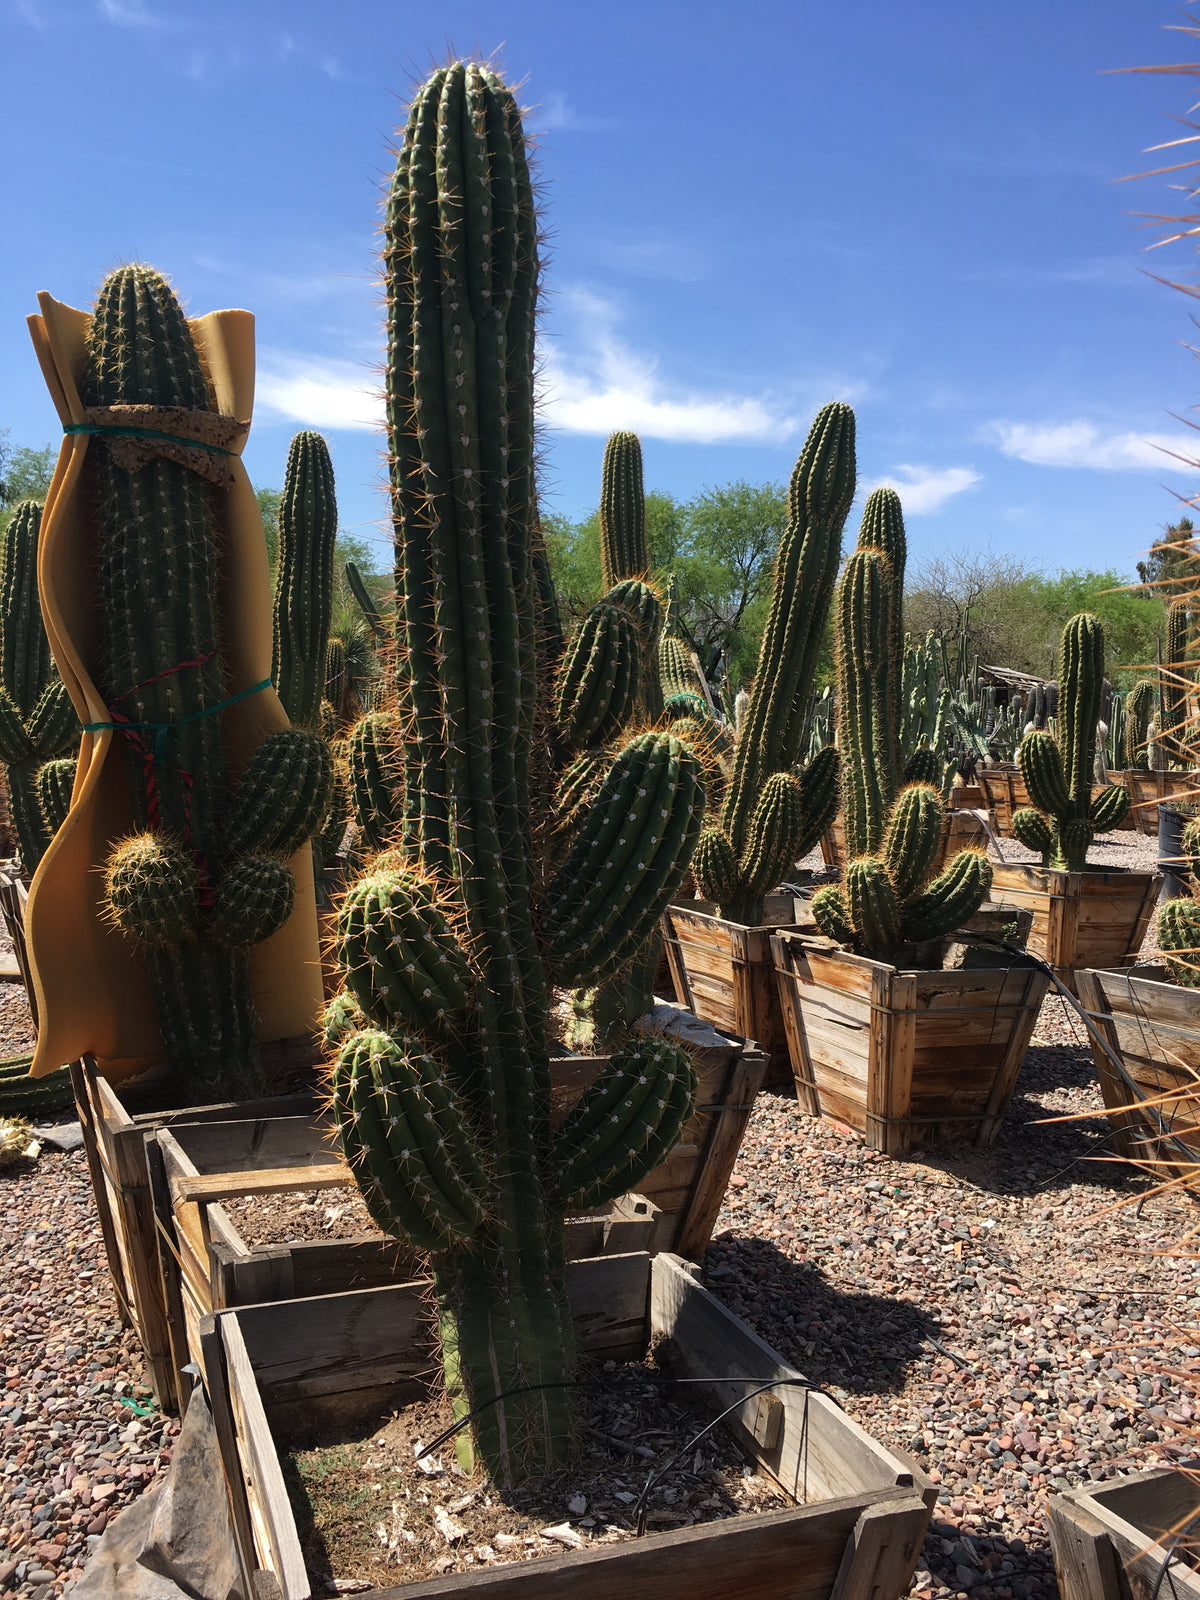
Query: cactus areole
(441, 1075)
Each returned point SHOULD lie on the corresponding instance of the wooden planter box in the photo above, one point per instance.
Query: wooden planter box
(961, 830)
(202, 1164)
(1146, 789)
(115, 1144)
(904, 1058)
(1096, 918)
(1005, 792)
(1153, 1027)
(1109, 1540)
(859, 1513)
(722, 973)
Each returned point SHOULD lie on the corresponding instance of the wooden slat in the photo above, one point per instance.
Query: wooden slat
(279, 1180)
(720, 1153)
(778, 1555)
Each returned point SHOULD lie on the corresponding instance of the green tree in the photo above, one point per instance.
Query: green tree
(25, 474)
(268, 507)
(1133, 621)
(1172, 567)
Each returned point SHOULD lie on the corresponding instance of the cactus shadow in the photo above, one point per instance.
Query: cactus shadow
(861, 1342)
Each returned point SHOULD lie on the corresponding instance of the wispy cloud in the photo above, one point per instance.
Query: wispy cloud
(601, 383)
(554, 114)
(130, 14)
(1083, 444)
(319, 393)
(291, 48)
(678, 260)
(29, 12)
(924, 490)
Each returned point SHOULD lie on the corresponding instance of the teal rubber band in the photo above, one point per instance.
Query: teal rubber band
(160, 730)
(123, 432)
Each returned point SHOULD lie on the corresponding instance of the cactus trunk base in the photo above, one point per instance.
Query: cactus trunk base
(205, 1012)
(506, 1330)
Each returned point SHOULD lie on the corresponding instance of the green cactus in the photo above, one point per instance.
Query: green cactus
(304, 580)
(55, 783)
(201, 878)
(623, 549)
(1178, 736)
(1139, 708)
(1059, 769)
(374, 778)
(1179, 940)
(770, 734)
(335, 677)
(37, 721)
(445, 1116)
(887, 902)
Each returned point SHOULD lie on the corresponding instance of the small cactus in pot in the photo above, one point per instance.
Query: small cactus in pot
(1059, 769)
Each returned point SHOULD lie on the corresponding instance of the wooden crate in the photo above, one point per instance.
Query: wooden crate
(1110, 1539)
(722, 973)
(1153, 1027)
(1146, 789)
(1004, 792)
(199, 1165)
(1096, 918)
(901, 1057)
(114, 1141)
(961, 830)
(855, 1528)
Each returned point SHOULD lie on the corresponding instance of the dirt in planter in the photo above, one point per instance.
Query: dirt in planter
(302, 1215)
(367, 1511)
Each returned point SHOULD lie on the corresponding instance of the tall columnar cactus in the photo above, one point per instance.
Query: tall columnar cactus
(1179, 733)
(1059, 772)
(37, 720)
(441, 1080)
(304, 580)
(1139, 708)
(772, 813)
(887, 900)
(624, 550)
(202, 878)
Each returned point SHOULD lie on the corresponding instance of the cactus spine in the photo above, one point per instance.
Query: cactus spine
(1059, 770)
(37, 722)
(1178, 679)
(176, 886)
(887, 901)
(443, 1097)
(771, 729)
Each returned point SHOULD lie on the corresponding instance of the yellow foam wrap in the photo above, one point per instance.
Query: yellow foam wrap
(91, 989)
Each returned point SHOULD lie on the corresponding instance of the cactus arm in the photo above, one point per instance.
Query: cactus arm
(914, 833)
(882, 529)
(951, 899)
(872, 904)
(818, 797)
(1071, 840)
(1081, 679)
(715, 866)
(1138, 711)
(1031, 829)
(832, 916)
(625, 866)
(284, 794)
(622, 513)
(819, 497)
(374, 774)
(649, 1092)
(304, 579)
(1109, 808)
(600, 676)
(55, 785)
(1042, 768)
(863, 633)
(363, 599)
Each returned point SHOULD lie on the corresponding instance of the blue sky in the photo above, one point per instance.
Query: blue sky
(752, 208)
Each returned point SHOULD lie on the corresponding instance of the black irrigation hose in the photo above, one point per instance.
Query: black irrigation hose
(580, 1383)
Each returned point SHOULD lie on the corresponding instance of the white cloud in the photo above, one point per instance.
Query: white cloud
(554, 114)
(602, 384)
(319, 393)
(1083, 444)
(923, 490)
(130, 14)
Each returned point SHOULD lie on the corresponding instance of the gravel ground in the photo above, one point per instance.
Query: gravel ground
(986, 1312)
